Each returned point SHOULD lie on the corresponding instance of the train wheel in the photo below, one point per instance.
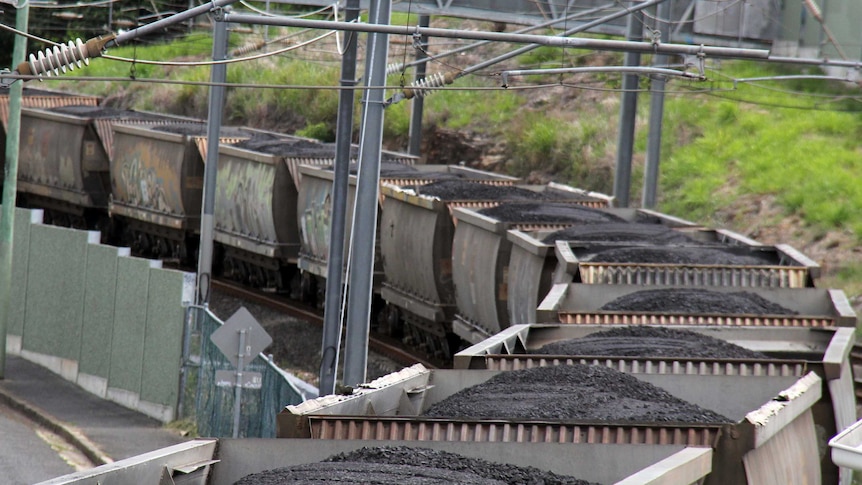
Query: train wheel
(307, 287)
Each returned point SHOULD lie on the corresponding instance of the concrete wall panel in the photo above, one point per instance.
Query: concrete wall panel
(24, 218)
(130, 321)
(167, 293)
(55, 291)
(99, 297)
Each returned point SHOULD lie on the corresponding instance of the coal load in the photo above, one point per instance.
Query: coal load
(98, 112)
(201, 129)
(389, 170)
(469, 190)
(571, 392)
(633, 232)
(398, 465)
(650, 342)
(288, 147)
(677, 255)
(696, 301)
(547, 212)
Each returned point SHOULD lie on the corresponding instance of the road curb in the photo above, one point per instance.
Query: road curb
(46, 420)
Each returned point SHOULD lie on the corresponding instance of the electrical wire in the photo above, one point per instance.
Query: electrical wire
(70, 6)
(224, 61)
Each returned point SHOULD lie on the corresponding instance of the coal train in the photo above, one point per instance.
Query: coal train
(462, 254)
(482, 267)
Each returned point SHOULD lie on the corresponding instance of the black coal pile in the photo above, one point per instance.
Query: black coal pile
(647, 341)
(388, 169)
(287, 147)
(200, 129)
(696, 301)
(297, 148)
(398, 465)
(678, 255)
(469, 190)
(621, 232)
(547, 212)
(99, 112)
(571, 392)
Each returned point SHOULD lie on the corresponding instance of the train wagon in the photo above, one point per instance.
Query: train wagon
(766, 434)
(574, 303)
(244, 461)
(157, 186)
(37, 98)
(64, 161)
(256, 207)
(538, 261)
(416, 235)
(491, 279)
(688, 350)
(314, 211)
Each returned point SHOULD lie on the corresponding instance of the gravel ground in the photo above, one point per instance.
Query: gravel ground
(646, 341)
(696, 300)
(571, 392)
(547, 212)
(295, 343)
(621, 232)
(397, 465)
(679, 255)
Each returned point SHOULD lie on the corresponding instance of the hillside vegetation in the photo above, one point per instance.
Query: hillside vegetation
(778, 161)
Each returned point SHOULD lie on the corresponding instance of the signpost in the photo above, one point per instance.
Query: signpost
(240, 339)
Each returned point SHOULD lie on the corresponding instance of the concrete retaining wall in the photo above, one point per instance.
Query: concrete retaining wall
(111, 323)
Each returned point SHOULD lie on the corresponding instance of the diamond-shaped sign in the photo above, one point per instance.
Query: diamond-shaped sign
(227, 338)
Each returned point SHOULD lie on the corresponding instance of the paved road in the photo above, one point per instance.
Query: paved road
(26, 455)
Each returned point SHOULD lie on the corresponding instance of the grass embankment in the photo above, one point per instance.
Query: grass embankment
(716, 150)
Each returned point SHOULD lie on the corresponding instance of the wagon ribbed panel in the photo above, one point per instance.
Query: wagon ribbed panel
(655, 366)
(343, 428)
(701, 275)
(724, 320)
(44, 102)
(201, 143)
(105, 129)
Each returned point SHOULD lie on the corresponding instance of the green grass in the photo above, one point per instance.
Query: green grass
(717, 149)
(716, 146)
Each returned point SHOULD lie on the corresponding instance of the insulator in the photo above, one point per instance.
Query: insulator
(58, 58)
(394, 68)
(247, 49)
(423, 87)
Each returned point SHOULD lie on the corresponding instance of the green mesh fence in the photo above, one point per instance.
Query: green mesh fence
(211, 407)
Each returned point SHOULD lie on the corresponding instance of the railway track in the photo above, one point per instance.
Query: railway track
(382, 345)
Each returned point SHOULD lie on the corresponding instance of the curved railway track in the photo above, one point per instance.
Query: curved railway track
(382, 345)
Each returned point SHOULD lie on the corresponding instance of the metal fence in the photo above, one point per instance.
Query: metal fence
(210, 407)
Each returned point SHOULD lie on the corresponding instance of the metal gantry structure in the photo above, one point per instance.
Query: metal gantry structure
(378, 28)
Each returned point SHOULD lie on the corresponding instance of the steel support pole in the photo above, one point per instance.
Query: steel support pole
(656, 114)
(218, 75)
(418, 106)
(628, 111)
(554, 41)
(365, 214)
(237, 392)
(10, 182)
(331, 346)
